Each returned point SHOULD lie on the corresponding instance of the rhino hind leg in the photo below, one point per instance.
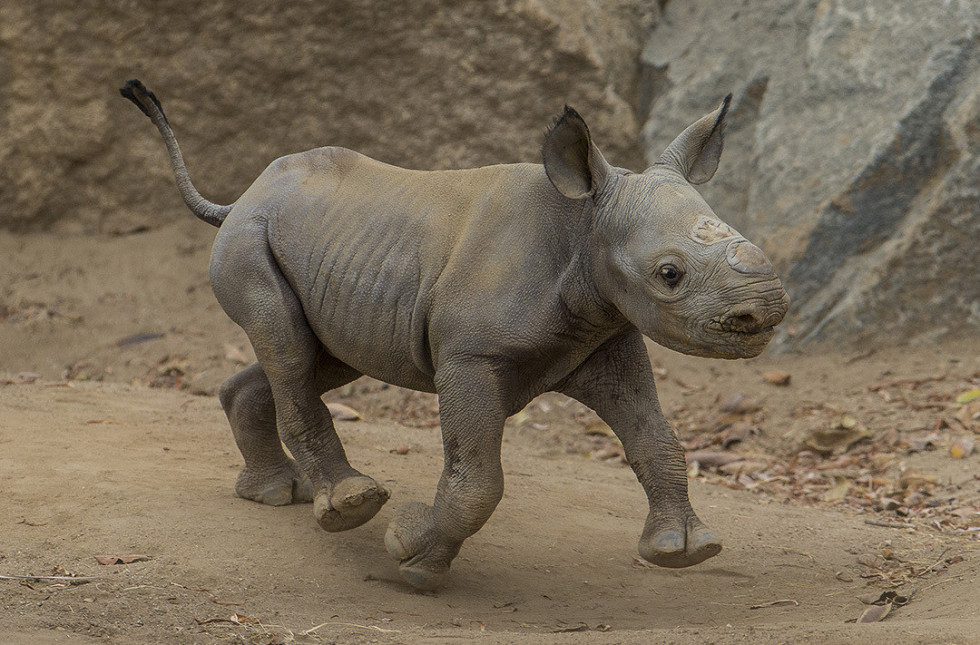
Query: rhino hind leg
(269, 475)
(293, 371)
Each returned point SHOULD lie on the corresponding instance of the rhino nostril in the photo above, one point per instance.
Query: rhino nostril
(775, 317)
(746, 322)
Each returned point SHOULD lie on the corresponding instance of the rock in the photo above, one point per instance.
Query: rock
(778, 378)
(852, 154)
(431, 84)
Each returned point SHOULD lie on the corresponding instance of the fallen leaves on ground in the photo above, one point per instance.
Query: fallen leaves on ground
(880, 604)
(828, 456)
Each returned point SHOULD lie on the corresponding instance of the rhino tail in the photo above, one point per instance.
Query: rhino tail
(147, 102)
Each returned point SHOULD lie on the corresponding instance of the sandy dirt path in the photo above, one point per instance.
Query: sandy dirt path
(95, 469)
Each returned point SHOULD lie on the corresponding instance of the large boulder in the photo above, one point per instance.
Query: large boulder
(852, 156)
(424, 84)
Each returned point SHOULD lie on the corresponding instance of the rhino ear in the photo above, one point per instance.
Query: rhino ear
(696, 151)
(573, 163)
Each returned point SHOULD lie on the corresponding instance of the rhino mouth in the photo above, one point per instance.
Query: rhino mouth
(731, 329)
(735, 342)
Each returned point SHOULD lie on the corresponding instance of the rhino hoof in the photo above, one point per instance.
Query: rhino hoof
(424, 558)
(680, 547)
(352, 502)
(422, 578)
(287, 486)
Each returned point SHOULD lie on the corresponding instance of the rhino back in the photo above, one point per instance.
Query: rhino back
(372, 251)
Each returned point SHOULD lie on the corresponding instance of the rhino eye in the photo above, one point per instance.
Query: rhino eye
(670, 274)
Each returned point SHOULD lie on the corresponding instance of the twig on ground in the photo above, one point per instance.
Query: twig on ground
(889, 525)
(72, 580)
(913, 382)
(934, 565)
(374, 627)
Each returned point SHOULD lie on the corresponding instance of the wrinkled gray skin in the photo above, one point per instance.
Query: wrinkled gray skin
(487, 286)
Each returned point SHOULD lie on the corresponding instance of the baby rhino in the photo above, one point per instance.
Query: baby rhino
(487, 286)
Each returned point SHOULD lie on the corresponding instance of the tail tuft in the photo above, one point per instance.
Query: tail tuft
(135, 91)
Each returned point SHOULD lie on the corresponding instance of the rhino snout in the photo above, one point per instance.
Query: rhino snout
(745, 321)
(756, 317)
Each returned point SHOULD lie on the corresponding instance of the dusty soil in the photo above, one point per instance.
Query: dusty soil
(112, 443)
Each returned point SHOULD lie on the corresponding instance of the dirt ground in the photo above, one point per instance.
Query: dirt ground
(856, 478)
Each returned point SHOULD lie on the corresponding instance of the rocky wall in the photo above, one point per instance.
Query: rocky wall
(852, 154)
(420, 83)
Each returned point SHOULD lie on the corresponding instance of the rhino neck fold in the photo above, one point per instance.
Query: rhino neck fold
(588, 312)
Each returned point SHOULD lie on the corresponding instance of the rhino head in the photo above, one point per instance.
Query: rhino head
(686, 279)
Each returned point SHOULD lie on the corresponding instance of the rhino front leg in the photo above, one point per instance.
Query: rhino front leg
(617, 382)
(424, 538)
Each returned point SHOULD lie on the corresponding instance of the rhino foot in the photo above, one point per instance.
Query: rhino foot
(678, 543)
(350, 503)
(411, 540)
(287, 485)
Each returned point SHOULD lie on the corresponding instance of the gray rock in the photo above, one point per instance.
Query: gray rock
(852, 154)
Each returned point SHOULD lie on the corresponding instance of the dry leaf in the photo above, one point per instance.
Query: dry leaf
(969, 395)
(913, 479)
(889, 597)
(739, 404)
(875, 613)
(341, 412)
(239, 619)
(962, 447)
(712, 458)
(121, 559)
(887, 504)
(739, 432)
(929, 442)
(838, 439)
(840, 489)
(778, 378)
(969, 414)
(744, 467)
(845, 421)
